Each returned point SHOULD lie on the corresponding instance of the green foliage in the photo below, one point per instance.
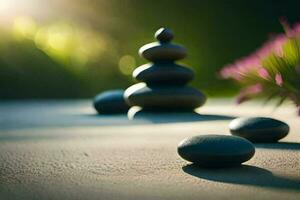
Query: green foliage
(93, 47)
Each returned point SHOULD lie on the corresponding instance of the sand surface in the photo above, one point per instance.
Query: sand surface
(62, 150)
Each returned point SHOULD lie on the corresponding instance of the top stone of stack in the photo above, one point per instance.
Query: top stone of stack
(163, 50)
(164, 35)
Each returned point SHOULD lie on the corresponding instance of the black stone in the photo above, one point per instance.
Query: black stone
(216, 150)
(259, 129)
(163, 73)
(164, 35)
(161, 52)
(111, 102)
(166, 97)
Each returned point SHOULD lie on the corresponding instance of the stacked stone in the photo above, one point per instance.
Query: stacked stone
(163, 87)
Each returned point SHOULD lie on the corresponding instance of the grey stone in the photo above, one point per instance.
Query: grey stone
(161, 52)
(163, 73)
(164, 97)
(216, 150)
(164, 35)
(259, 129)
(111, 102)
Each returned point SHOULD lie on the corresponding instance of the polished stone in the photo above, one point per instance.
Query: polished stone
(168, 97)
(164, 35)
(111, 102)
(259, 129)
(216, 150)
(163, 73)
(161, 52)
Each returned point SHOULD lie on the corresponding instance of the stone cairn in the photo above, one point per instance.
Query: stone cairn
(163, 82)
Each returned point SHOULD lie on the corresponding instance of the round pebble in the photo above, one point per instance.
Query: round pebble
(164, 35)
(167, 73)
(259, 129)
(216, 150)
(111, 102)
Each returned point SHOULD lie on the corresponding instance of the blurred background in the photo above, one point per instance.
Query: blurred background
(78, 48)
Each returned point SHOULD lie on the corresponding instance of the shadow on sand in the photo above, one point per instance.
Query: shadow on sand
(244, 175)
(173, 117)
(279, 145)
(159, 118)
(94, 120)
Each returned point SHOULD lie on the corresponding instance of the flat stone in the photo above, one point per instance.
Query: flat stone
(163, 73)
(111, 102)
(164, 98)
(162, 52)
(216, 150)
(259, 129)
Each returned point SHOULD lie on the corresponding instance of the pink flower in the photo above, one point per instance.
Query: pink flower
(241, 67)
(244, 66)
(261, 65)
(297, 30)
(274, 45)
(278, 79)
(262, 72)
(290, 31)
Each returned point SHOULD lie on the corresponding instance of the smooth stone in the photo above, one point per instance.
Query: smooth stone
(259, 129)
(164, 98)
(162, 52)
(163, 73)
(164, 35)
(111, 102)
(216, 150)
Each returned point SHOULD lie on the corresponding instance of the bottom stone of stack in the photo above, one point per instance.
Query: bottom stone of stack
(164, 98)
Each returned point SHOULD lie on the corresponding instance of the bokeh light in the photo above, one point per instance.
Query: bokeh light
(65, 42)
(127, 64)
(24, 27)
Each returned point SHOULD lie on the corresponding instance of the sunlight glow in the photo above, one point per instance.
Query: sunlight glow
(74, 45)
(127, 64)
(69, 43)
(24, 27)
(57, 40)
(10, 9)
